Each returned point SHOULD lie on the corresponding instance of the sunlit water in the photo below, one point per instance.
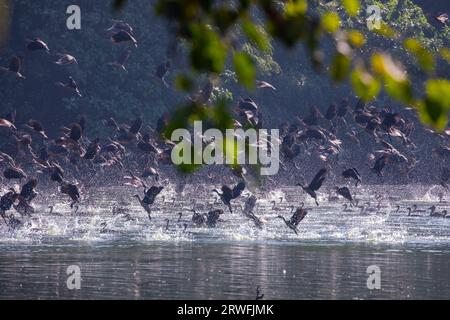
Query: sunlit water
(122, 254)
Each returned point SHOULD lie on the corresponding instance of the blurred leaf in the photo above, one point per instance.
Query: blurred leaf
(386, 31)
(224, 18)
(184, 83)
(331, 22)
(220, 115)
(295, 8)
(365, 85)
(188, 168)
(258, 37)
(399, 90)
(183, 117)
(230, 149)
(245, 69)
(385, 66)
(351, 7)
(208, 53)
(437, 103)
(340, 67)
(355, 38)
(396, 82)
(423, 56)
(291, 26)
(445, 54)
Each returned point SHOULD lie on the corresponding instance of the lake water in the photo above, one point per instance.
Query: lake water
(122, 254)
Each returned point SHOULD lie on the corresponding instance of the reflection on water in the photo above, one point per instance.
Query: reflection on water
(214, 270)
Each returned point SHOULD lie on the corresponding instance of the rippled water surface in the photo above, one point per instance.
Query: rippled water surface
(122, 254)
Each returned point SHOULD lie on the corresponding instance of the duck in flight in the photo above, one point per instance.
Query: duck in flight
(37, 127)
(120, 25)
(315, 184)
(227, 194)
(296, 218)
(65, 59)
(345, 192)
(37, 44)
(123, 36)
(249, 205)
(149, 198)
(352, 173)
(162, 70)
(71, 190)
(123, 58)
(71, 85)
(15, 66)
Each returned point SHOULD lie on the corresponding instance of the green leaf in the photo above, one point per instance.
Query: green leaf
(184, 83)
(220, 115)
(351, 7)
(423, 56)
(330, 22)
(396, 81)
(386, 31)
(183, 117)
(245, 69)
(355, 38)
(399, 90)
(295, 8)
(208, 53)
(437, 103)
(340, 67)
(224, 18)
(445, 54)
(365, 85)
(256, 35)
(383, 65)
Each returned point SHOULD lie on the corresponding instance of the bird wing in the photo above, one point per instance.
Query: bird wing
(298, 216)
(316, 183)
(161, 70)
(75, 132)
(136, 126)
(15, 65)
(7, 124)
(124, 57)
(36, 125)
(249, 204)
(237, 190)
(226, 191)
(152, 193)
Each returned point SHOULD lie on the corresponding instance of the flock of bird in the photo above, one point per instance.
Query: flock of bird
(72, 161)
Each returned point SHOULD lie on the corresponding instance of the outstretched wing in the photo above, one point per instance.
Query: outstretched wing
(249, 204)
(237, 190)
(380, 163)
(151, 194)
(298, 216)
(75, 132)
(124, 57)
(15, 65)
(136, 126)
(316, 183)
(226, 191)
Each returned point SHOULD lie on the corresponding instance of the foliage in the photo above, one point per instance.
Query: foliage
(291, 22)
